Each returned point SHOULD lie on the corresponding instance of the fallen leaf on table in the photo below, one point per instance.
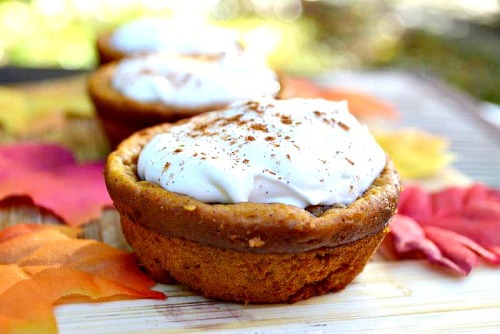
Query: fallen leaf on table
(27, 103)
(14, 101)
(360, 104)
(415, 153)
(42, 264)
(49, 175)
(454, 227)
(82, 135)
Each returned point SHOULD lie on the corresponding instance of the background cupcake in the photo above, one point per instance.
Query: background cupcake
(175, 36)
(150, 89)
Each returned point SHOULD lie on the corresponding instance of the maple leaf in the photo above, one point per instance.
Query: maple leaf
(415, 152)
(454, 227)
(42, 264)
(49, 175)
(360, 104)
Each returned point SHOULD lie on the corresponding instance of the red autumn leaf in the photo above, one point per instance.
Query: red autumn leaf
(410, 241)
(360, 104)
(415, 202)
(463, 251)
(42, 264)
(463, 223)
(50, 176)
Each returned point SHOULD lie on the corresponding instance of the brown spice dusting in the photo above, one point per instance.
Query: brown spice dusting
(268, 171)
(235, 119)
(288, 157)
(269, 138)
(178, 150)
(322, 180)
(287, 137)
(246, 161)
(344, 126)
(286, 119)
(259, 127)
(146, 71)
(200, 126)
(167, 166)
(249, 138)
(178, 80)
(349, 161)
(253, 105)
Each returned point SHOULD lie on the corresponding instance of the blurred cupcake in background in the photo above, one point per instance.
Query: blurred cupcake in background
(146, 35)
(145, 90)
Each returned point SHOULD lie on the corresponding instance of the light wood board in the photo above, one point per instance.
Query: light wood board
(387, 297)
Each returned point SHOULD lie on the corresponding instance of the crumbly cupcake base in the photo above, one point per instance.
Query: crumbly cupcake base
(250, 277)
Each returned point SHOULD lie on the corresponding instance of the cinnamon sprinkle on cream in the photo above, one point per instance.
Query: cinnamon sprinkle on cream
(344, 126)
(301, 163)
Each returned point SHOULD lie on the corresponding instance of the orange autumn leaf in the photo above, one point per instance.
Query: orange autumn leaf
(9, 275)
(42, 264)
(360, 104)
(21, 229)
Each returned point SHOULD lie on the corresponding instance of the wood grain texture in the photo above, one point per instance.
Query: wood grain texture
(388, 297)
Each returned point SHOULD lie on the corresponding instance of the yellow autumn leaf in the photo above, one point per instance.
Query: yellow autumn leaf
(415, 152)
(25, 104)
(14, 110)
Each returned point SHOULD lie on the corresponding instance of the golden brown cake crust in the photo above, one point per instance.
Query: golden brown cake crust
(248, 277)
(105, 51)
(243, 227)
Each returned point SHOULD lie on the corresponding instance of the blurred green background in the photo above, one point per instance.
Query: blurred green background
(457, 40)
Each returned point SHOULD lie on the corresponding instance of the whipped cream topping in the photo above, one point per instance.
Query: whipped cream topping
(300, 152)
(186, 81)
(178, 37)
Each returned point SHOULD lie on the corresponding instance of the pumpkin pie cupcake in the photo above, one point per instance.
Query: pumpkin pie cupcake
(149, 35)
(266, 201)
(138, 92)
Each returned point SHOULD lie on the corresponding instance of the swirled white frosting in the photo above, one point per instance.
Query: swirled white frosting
(299, 151)
(185, 81)
(175, 36)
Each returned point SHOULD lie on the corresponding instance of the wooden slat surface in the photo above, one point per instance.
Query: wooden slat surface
(388, 297)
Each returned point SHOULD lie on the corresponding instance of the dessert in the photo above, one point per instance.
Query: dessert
(146, 90)
(148, 35)
(267, 201)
